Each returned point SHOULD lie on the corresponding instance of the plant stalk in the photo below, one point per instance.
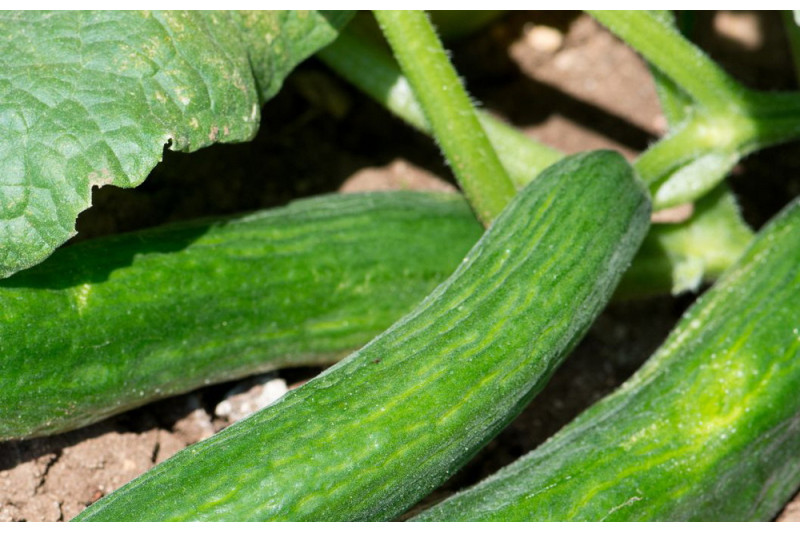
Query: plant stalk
(666, 49)
(448, 110)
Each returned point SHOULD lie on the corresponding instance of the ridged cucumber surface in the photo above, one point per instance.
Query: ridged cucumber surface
(106, 325)
(372, 435)
(708, 429)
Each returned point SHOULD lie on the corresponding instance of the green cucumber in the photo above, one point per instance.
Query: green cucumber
(106, 325)
(708, 429)
(369, 437)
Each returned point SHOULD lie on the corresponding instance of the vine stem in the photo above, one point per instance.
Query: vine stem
(448, 110)
(664, 47)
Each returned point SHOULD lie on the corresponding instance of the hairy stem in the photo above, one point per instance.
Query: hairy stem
(448, 110)
(666, 49)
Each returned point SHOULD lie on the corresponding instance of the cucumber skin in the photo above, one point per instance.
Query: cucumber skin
(708, 429)
(372, 435)
(86, 334)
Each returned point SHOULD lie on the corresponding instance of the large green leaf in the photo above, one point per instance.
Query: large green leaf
(91, 98)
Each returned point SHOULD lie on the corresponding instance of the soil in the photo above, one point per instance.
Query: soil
(557, 76)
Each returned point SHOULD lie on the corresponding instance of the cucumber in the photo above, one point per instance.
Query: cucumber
(106, 325)
(708, 429)
(372, 435)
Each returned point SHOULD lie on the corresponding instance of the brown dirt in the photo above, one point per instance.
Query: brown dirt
(558, 76)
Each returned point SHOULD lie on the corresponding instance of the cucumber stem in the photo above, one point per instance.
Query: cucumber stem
(666, 49)
(448, 110)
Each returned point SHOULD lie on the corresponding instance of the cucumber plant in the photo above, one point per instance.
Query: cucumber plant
(124, 320)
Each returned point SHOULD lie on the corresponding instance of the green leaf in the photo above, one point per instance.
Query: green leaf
(91, 98)
(279, 40)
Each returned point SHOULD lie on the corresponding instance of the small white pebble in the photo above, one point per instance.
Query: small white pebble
(250, 396)
(543, 38)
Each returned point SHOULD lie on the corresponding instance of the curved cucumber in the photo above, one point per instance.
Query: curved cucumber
(708, 429)
(106, 325)
(375, 433)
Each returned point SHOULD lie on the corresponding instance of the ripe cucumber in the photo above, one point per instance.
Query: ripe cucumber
(708, 429)
(372, 435)
(106, 325)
